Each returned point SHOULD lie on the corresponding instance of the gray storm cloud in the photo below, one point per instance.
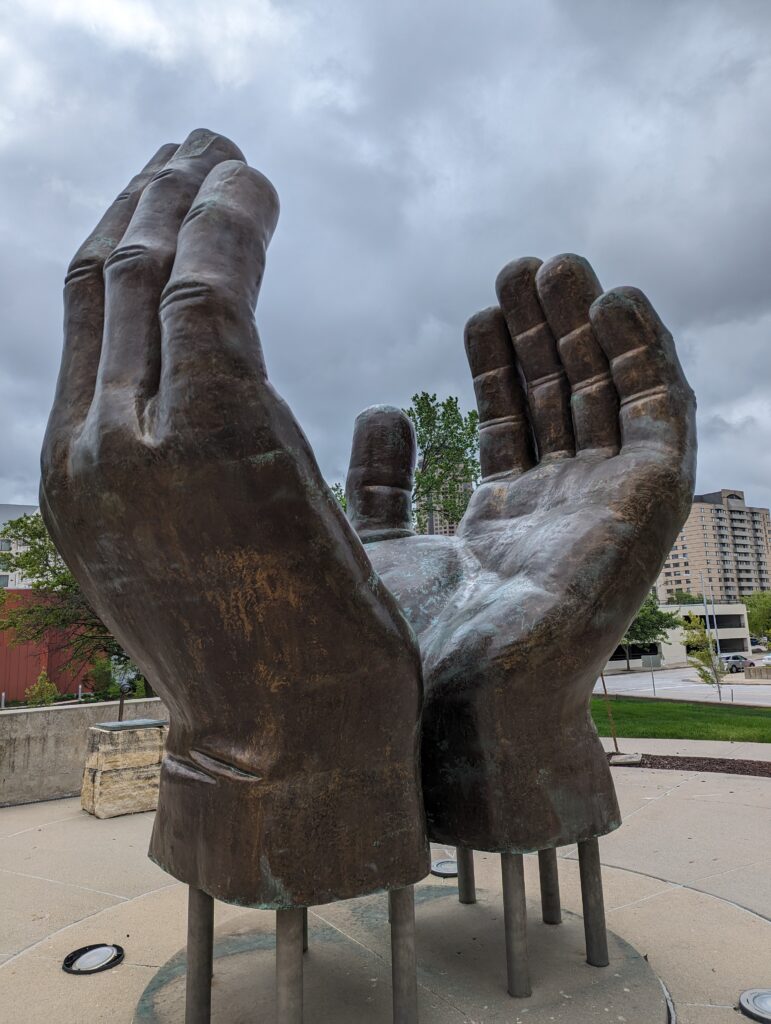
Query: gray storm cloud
(416, 148)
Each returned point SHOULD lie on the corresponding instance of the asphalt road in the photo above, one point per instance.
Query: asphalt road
(684, 684)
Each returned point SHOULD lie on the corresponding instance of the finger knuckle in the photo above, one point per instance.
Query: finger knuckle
(138, 257)
(85, 267)
(194, 291)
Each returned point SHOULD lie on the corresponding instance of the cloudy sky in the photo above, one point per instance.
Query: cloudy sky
(416, 147)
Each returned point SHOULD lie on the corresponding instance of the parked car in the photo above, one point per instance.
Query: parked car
(766, 660)
(736, 662)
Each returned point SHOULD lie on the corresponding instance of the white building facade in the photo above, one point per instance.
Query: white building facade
(728, 625)
(13, 580)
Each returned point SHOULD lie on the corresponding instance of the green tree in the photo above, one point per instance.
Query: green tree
(56, 602)
(701, 652)
(41, 693)
(448, 459)
(339, 492)
(684, 597)
(649, 626)
(101, 679)
(758, 606)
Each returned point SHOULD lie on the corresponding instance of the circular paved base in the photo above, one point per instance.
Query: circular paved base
(461, 969)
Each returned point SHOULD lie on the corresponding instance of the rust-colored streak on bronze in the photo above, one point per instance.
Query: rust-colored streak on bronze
(517, 614)
(187, 502)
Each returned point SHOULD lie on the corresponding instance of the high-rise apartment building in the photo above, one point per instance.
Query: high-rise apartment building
(724, 549)
(433, 519)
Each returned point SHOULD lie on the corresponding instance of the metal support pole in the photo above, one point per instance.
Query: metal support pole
(467, 890)
(200, 947)
(404, 971)
(515, 924)
(289, 966)
(593, 902)
(550, 886)
(305, 929)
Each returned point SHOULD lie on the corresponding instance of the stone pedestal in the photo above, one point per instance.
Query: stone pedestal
(123, 767)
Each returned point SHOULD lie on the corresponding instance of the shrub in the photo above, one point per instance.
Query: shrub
(100, 677)
(41, 693)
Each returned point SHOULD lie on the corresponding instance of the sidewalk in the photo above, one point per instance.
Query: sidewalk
(686, 877)
(692, 748)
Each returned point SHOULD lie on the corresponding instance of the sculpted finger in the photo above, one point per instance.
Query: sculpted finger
(505, 436)
(657, 404)
(139, 267)
(548, 391)
(209, 343)
(378, 488)
(84, 304)
(566, 287)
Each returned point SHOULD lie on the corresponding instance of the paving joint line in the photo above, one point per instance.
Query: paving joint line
(387, 962)
(33, 828)
(86, 917)
(69, 885)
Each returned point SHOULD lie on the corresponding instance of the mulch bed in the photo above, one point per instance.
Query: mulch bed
(703, 764)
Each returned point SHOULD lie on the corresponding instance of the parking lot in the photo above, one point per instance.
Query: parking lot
(684, 684)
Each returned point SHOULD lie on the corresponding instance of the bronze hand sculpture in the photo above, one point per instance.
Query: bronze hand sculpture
(588, 450)
(187, 502)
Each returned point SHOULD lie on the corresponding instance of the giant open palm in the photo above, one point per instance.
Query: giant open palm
(587, 446)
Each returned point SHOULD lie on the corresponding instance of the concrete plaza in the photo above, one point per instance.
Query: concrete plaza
(687, 884)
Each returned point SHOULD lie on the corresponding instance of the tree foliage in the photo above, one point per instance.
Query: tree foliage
(339, 492)
(649, 626)
(56, 609)
(448, 459)
(701, 651)
(684, 597)
(759, 612)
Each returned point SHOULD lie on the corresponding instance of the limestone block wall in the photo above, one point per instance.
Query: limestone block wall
(123, 769)
(43, 750)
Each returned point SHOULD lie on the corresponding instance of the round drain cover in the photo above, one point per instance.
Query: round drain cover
(447, 868)
(93, 959)
(756, 1004)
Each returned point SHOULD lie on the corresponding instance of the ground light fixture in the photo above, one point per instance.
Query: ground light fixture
(93, 959)
(755, 1003)
(445, 867)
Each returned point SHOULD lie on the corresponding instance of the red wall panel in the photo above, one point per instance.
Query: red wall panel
(21, 664)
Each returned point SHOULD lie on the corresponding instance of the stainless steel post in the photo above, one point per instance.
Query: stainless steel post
(593, 903)
(404, 975)
(305, 929)
(550, 886)
(200, 946)
(467, 890)
(515, 924)
(289, 966)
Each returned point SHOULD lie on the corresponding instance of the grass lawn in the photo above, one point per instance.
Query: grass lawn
(683, 721)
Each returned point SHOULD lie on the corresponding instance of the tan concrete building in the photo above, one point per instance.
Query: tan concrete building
(723, 549)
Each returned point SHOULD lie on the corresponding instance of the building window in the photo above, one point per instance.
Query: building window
(3, 580)
(5, 545)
